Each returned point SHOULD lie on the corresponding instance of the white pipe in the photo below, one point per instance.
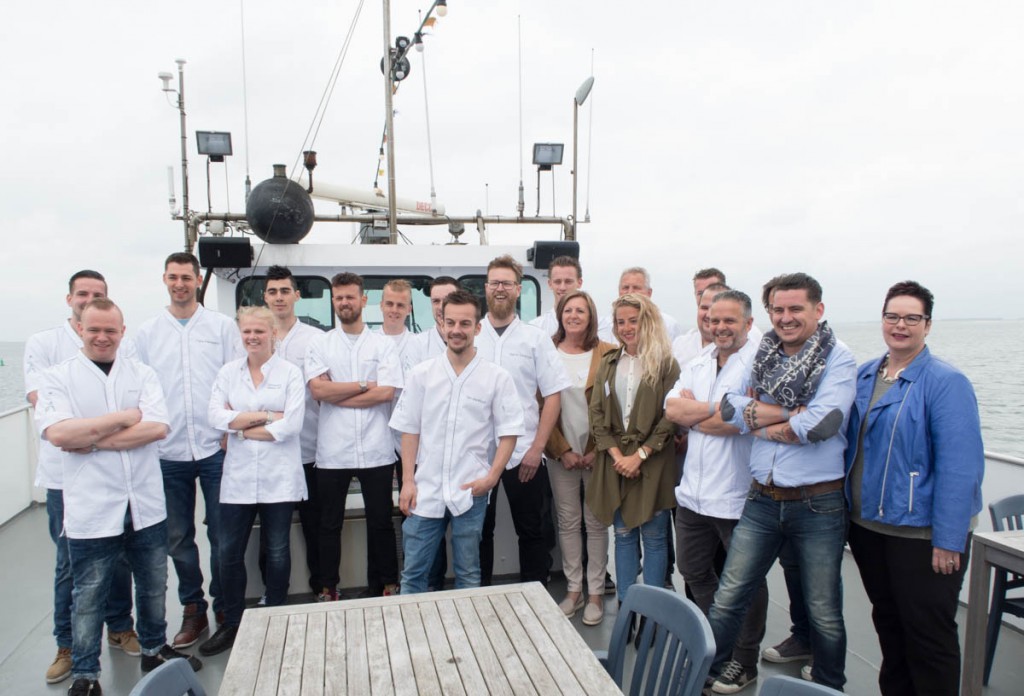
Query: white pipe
(366, 199)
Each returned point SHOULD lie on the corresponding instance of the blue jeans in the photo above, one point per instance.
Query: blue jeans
(654, 533)
(421, 536)
(275, 528)
(180, 492)
(119, 603)
(815, 529)
(93, 563)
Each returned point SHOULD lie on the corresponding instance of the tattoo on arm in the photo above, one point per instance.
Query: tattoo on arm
(782, 433)
(750, 415)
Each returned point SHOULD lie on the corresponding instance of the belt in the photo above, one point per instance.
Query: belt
(779, 493)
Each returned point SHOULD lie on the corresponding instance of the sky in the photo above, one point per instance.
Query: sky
(863, 143)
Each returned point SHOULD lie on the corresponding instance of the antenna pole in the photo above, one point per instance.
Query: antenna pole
(389, 127)
(184, 155)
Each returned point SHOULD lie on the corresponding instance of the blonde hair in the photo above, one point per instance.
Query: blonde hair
(652, 348)
(398, 285)
(259, 313)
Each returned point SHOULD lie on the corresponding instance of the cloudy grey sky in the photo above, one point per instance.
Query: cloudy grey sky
(862, 142)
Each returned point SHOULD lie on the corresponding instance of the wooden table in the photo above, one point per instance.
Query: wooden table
(507, 639)
(988, 550)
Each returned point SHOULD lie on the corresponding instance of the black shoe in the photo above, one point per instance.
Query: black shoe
(220, 641)
(166, 654)
(85, 687)
(609, 585)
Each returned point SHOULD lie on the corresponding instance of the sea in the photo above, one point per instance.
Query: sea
(989, 351)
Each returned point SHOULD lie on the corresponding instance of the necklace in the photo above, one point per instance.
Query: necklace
(882, 369)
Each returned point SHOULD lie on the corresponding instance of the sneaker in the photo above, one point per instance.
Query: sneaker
(569, 606)
(128, 641)
(789, 650)
(593, 614)
(85, 687)
(193, 623)
(220, 641)
(61, 667)
(734, 678)
(609, 584)
(391, 589)
(262, 602)
(805, 671)
(166, 654)
(327, 595)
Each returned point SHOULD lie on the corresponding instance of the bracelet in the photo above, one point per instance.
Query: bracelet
(270, 417)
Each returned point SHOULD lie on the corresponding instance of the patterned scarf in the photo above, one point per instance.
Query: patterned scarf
(792, 381)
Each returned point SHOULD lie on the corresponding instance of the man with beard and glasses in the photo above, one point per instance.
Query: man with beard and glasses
(531, 358)
(452, 408)
(804, 381)
(353, 373)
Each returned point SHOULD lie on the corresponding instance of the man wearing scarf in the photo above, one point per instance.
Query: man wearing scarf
(803, 384)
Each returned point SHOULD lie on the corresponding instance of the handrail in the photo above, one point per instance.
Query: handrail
(1004, 458)
(16, 409)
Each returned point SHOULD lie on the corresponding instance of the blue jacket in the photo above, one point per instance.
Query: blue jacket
(923, 456)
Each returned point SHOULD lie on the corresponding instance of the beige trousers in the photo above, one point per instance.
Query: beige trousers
(567, 489)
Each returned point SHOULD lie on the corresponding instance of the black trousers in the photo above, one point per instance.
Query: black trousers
(529, 503)
(914, 611)
(381, 549)
(309, 519)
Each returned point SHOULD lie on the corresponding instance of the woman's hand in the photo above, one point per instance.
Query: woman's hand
(945, 562)
(588, 460)
(571, 460)
(629, 466)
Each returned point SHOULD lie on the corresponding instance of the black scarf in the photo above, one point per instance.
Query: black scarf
(792, 381)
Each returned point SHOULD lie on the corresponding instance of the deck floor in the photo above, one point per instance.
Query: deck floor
(27, 647)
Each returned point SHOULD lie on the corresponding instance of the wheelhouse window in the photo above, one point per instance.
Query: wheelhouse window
(420, 318)
(528, 304)
(314, 305)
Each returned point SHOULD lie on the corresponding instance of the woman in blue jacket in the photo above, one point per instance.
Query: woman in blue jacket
(914, 469)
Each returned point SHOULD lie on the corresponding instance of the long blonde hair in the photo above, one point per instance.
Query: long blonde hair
(652, 346)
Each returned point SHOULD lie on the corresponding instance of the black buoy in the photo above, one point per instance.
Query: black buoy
(279, 210)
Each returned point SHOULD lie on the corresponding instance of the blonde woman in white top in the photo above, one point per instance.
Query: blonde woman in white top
(259, 401)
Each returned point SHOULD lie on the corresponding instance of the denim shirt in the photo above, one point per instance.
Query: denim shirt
(806, 463)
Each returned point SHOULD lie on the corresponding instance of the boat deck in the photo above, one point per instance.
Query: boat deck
(26, 641)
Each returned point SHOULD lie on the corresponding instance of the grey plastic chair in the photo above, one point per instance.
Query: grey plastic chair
(172, 678)
(1007, 514)
(676, 644)
(791, 686)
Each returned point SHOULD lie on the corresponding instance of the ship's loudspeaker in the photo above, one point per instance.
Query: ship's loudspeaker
(225, 252)
(543, 253)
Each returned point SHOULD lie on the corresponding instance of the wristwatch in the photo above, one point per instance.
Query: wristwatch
(642, 453)
(241, 434)
(270, 417)
(362, 386)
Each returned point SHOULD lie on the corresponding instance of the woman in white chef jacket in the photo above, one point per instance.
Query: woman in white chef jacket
(259, 402)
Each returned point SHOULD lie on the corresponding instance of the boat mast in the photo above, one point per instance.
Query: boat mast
(184, 154)
(389, 126)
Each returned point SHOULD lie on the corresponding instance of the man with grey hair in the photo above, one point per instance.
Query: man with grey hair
(636, 280)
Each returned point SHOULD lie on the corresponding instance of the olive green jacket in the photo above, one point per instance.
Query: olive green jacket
(639, 498)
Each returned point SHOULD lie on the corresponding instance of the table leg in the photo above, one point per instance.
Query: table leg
(977, 619)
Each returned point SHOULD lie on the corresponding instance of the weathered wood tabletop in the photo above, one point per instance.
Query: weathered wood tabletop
(507, 639)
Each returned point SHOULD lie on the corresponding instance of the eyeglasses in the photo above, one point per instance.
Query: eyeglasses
(503, 284)
(908, 319)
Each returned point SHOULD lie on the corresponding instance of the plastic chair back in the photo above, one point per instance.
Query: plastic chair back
(676, 644)
(172, 678)
(1008, 513)
(791, 686)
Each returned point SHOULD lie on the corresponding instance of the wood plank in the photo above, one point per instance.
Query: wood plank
(508, 658)
(559, 667)
(377, 653)
(355, 652)
(471, 677)
(336, 654)
(542, 679)
(402, 674)
(314, 655)
(239, 676)
(419, 651)
(273, 652)
(290, 681)
(592, 676)
(486, 656)
(444, 660)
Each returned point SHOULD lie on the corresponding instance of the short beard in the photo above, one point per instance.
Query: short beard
(354, 319)
(501, 309)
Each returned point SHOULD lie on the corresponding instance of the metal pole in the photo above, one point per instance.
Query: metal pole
(184, 154)
(389, 126)
(575, 156)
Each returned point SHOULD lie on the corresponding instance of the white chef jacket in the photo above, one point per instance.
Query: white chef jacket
(607, 322)
(408, 357)
(716, 475)
(293, 349)
(530, 357)
(546, 322)
(43, 350)
(689, 345)
(429, 344)
(458, 418)
(354, 438)
(187, 359)
(100, 485)
(257, 471)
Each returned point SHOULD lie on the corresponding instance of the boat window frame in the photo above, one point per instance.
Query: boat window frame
(529, 285)
(300, 280)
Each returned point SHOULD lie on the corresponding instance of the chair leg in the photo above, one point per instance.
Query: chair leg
(995, 619)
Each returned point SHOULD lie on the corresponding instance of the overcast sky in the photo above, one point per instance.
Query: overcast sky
(862, 142)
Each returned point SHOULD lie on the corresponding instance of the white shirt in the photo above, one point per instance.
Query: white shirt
(575, 416)
(354, 438)
(458, 418)
(102, 484)
(546, 322)
(628, 372)
(688, 346)
(429, 344)
(257, 471)
(716, 476)
(43, 350)
(607, 322)
(408, 357)
(293, 349)
(187, 359)
(530, 357)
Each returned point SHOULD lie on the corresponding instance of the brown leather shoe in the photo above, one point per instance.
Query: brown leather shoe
(193, 623)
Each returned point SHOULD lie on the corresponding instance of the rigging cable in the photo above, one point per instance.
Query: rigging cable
(521, 205)
(430, 149)
(245, 103)
(590, 142)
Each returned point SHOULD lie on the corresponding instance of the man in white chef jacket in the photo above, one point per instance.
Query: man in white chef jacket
(429, 343)
(395, 307)
(530, 357)
(187, 344)
(452, 408)
(43, 350)
(689, 345)
(636, 280)
(281, 293)
(353, 373)
(106, 413)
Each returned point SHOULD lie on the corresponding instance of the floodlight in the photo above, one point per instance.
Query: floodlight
(214, 144)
